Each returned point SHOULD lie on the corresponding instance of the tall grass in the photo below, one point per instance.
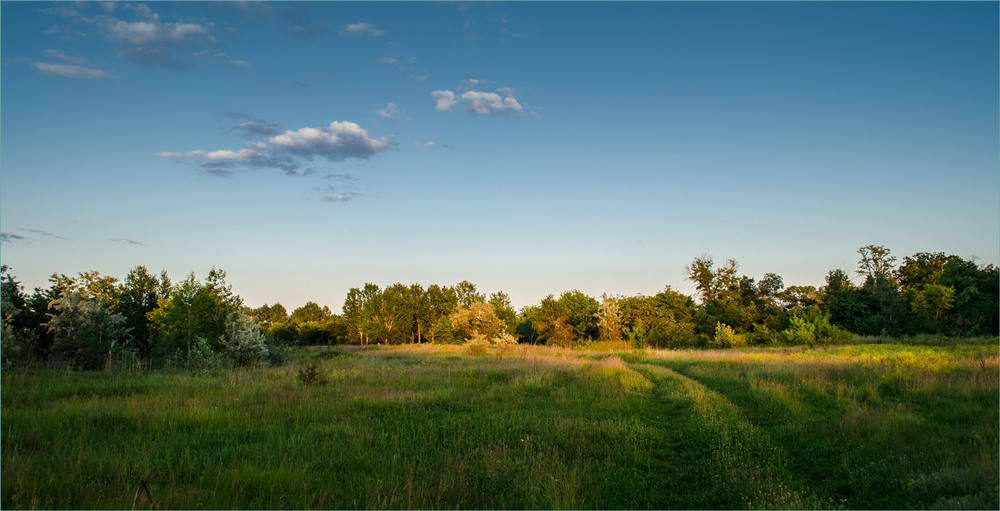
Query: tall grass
(876, 426)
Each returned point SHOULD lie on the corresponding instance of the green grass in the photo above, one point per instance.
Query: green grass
(863, 426)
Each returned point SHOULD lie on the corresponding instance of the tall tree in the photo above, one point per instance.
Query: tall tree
(876, 264)
(713, 283)
(193, 310)
(467, 294)
(139, 295)
(501, 306)
(311, 311)
(420, 310)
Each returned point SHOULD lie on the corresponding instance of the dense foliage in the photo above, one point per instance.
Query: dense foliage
(92, 321)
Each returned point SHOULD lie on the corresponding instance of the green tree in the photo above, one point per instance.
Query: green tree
(977, 292)
(876, 264)
(930, 303)
(568, 318)
(421, 312)
(712, 283)
(354, 312)
(18, 338)
(138, 296)
(526, 321)
(311, 311)
(503, 310)
(193, 310)
(271, 315)
(441, 302)
(389, 314)
(467, 294)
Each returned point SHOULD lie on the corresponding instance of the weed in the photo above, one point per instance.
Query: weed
(309, 375)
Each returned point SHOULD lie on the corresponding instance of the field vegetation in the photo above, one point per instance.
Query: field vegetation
(877, 425)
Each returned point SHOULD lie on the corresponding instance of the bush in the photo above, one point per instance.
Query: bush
(726, 337)
(244, 343)
(84, 331)
(477, 344)
(17, 345)
(309, 375)
(800, 331)
(201, 357)
(813, 327)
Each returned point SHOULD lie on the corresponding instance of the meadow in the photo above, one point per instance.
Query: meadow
(869, 426)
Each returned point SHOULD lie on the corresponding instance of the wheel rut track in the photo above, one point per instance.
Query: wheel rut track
(748, 466)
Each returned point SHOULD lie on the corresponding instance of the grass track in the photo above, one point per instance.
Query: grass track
(433, 427)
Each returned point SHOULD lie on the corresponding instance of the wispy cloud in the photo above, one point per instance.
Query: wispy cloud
(141, 36)
(406, 66)
(127, 242)
(257, 128)
(332, 194)
(7, 237)
(391, 111)
(70, 71)
(71, 66)
(365, 29)
(43, 233)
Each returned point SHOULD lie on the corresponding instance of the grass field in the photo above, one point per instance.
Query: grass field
(863, 426)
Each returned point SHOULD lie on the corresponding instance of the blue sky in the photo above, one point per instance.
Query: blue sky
(534, 148)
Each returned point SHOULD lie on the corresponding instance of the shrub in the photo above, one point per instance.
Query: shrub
(505, 342)
(477, 344)
(800, 331)
(243, 343)
(813, 327)
(309, 375)
(84, 331)
(726, 337)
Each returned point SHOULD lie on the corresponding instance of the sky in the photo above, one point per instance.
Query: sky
(533, 148)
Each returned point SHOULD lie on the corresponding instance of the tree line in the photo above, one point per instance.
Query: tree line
(93, 321)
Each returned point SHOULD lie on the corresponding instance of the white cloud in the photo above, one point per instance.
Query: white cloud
(223, 155)
(362, 29)
(431, 144)
(480, 102)
(445, 100)
(489, 103)
(153, 32)
(388, 60)
(336, 142)
(70, 71)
